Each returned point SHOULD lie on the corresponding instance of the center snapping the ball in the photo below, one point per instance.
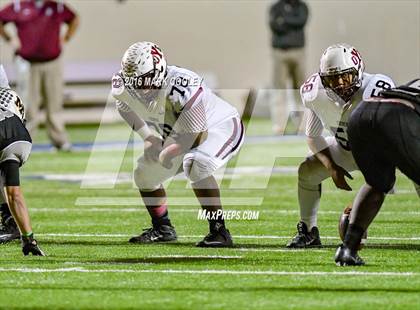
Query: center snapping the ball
(168, 154)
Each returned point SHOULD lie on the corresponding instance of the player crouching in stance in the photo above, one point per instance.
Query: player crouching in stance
(15, 147)
(194, 131)
(329, 96)
(384, 134)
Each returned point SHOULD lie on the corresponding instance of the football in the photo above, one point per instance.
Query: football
(344, 223)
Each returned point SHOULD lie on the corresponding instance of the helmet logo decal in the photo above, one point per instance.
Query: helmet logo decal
(157, 55)
(356, 58)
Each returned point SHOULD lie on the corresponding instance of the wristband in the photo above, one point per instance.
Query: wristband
(144, 132)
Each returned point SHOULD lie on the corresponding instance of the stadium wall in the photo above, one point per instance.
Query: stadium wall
(232, 40)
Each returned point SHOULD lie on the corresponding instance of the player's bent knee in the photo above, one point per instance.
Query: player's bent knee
(304, 171)
(197, 167)
(144, 181)
(309, 174)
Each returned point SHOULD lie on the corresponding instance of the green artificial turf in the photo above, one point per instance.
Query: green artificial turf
(90, 264)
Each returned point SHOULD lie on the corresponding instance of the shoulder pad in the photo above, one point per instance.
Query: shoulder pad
(375, 84)
(182, 86)
(309, 90)
(117, 85)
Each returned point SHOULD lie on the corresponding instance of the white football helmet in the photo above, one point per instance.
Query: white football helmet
(10, 101)
(341, 71)
(144, 69)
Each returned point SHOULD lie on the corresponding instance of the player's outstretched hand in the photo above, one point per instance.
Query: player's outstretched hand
(30, 246)
(152, 148)
(338, 175)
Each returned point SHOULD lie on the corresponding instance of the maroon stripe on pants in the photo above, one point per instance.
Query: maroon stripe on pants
(230, 140)
(237, 143)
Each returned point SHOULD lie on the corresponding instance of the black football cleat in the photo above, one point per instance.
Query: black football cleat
(29, 245)
(162, 233)
(9, 230)
(218, 237)
(347, 257)
(305, 238)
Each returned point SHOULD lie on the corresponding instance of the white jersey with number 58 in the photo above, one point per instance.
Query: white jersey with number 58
(333, 116)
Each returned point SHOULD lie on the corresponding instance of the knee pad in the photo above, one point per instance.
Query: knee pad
(308, 175)
(198, 166)
(144, 181)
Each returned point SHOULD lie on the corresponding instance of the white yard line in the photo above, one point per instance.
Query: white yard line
(193, 210)
(96, 180)
(175, 201)
(214, 272)
(234, 236)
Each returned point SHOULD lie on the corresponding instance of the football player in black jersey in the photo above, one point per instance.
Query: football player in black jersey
(384, 134)
(15, 148)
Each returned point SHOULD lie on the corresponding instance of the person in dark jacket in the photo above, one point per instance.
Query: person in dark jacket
(287, 23)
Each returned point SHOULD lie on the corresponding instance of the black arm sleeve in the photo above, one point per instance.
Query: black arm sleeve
(10, 171)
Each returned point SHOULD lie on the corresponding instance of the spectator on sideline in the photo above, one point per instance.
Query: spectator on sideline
(287, 22)
(38, 50)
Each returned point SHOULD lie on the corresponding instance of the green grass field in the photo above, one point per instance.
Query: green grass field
(90, 264)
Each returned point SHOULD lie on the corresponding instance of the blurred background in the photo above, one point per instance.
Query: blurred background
(226, 41)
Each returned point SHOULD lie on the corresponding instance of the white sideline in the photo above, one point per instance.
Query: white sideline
(195, 210)
(214, 272)
(234, 236)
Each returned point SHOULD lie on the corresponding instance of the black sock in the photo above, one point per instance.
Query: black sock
(162, 220)
(214, 224)
(353, 236)
(5, 211)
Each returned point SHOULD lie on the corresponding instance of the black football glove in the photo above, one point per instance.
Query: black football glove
(29, 245)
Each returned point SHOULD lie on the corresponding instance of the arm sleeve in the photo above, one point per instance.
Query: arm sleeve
(314, 125)
(10, 170)
(130, 117)
(7, 14)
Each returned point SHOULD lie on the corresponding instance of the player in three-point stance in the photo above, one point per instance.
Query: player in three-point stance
(185, 127)
(329, 96)
(15, 148)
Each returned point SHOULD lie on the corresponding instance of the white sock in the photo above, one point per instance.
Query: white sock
(309, 197)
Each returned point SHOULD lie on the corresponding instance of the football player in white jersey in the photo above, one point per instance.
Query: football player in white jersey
(185, 127)
(330, 95)
(15, 148)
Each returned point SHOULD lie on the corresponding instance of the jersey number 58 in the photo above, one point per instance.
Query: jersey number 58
(380, 85)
